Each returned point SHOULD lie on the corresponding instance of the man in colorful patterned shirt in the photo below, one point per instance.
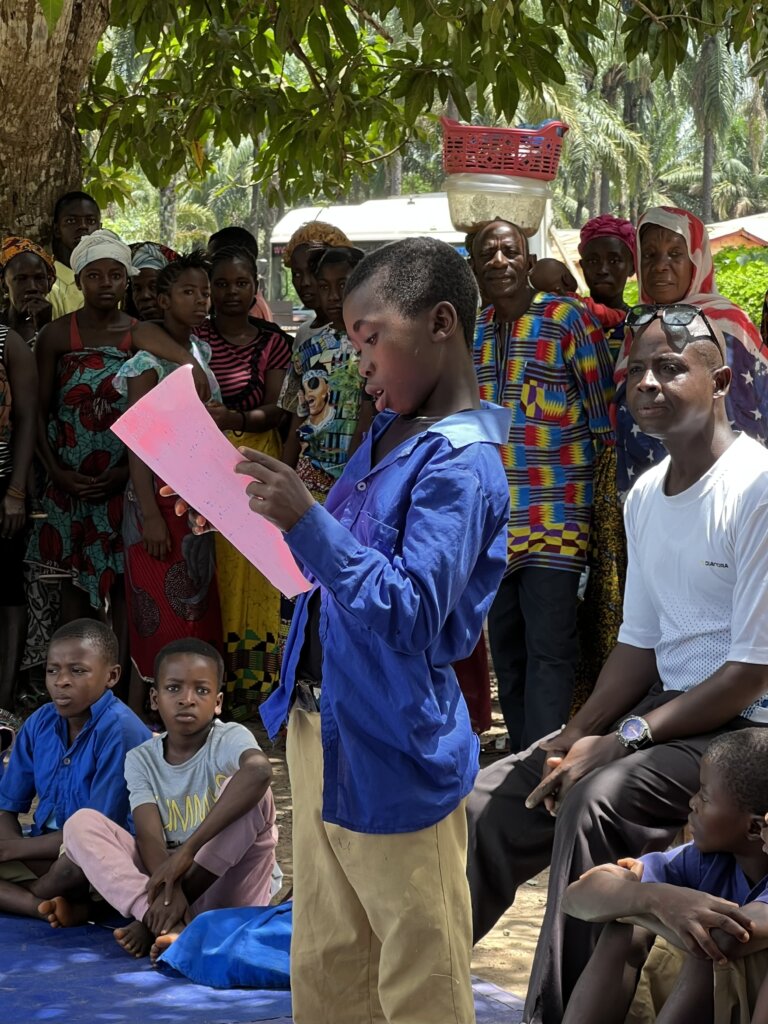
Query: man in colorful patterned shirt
(546, 359)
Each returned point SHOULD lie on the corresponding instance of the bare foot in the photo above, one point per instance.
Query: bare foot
(162, 942)
(60, 913)
(135, 938)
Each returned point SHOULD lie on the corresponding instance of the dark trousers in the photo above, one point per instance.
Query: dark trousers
(535, 648)
(627, 808)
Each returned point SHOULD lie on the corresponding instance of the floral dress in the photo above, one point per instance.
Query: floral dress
(80, 539)
(177, 596)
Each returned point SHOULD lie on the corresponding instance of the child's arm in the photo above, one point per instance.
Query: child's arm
(150, 836)
(732, 949)
(153, 339)
(155, 535)
(253, 421)
(685, 917)
(243, 792)
(403, 598)
(292, 446)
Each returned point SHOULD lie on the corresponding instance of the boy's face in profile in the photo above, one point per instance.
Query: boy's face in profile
(187, 694)
(717, 822)
(398, 358)
(76, 675)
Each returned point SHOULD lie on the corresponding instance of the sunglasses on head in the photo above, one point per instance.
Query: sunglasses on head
(675, 317)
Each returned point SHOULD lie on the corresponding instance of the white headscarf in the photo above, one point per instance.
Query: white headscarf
(101, 245)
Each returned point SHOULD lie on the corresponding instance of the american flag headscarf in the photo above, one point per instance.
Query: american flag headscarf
(746, 354)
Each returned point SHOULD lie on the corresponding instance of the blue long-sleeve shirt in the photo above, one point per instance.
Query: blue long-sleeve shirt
(408, 555)
(67, 776)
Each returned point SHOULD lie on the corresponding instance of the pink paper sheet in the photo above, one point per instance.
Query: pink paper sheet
(171, 431)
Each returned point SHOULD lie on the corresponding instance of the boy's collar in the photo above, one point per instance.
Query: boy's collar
(490, 423)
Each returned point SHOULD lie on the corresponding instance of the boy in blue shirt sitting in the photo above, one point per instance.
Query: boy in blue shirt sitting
(70, 754)
(707, 902)
(404, 560)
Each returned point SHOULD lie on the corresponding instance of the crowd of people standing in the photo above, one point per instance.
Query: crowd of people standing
(623, 611)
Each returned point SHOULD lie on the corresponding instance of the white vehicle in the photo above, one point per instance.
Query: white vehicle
(378, 221)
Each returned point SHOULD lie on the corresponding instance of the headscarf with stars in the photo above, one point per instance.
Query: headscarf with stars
(746, 354)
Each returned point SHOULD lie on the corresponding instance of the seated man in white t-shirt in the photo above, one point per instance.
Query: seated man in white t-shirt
(691, 662)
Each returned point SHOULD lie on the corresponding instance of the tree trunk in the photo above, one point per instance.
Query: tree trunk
(41, 81)
(605, 191)
(168, 214)
(708, 163)
(396, 174)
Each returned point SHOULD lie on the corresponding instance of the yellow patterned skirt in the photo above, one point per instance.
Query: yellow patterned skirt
(250, 613)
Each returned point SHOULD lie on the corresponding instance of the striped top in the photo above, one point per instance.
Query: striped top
(552, 368)
(6, 451)
(241, 370)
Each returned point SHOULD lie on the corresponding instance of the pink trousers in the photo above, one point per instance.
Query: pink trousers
(242, 857)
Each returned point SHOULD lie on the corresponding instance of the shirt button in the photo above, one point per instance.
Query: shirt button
(361, 486)
(66, 760)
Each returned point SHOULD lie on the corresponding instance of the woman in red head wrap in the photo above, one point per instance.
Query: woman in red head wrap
(607, 250)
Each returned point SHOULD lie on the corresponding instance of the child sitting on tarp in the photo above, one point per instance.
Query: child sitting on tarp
(705, 903)
(202, 805)
(69, 754)
(554, 277)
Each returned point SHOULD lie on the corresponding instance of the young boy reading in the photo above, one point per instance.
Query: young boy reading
(404, 558)
(707, 901)
(69, 754)
(202, 807)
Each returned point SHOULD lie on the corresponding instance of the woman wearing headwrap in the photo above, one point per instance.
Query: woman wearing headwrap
(674, 264)
(148, 260)
(304, 244)
(78, 356)
(27, 272)
(607, 250)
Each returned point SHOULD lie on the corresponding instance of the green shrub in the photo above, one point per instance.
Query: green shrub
(741, 275)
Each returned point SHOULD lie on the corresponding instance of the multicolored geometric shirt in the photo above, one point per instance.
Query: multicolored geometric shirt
(553, 369)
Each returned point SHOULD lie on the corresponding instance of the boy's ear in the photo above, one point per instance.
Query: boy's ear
(445, 321)
(163, 300)
(153, 698)
(756, 826)
(113, 678)
(219, 702)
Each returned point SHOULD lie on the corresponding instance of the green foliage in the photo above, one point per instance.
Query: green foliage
(327, 91)
(52, 12)
(741, 274)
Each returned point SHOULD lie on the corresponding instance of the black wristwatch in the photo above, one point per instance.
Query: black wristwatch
(634, 733)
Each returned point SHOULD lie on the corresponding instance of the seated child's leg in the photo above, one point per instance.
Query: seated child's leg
(109, 857)
(606, 987)
(414, 890)
(334, 955)
(741, 990)
(691, 998)
(241, 858)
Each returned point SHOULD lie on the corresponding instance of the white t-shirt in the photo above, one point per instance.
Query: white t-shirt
(185, 793)
(697, 582)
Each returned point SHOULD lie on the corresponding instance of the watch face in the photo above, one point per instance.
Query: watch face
(633, 729)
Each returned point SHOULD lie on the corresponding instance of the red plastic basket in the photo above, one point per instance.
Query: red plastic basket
(524, 152)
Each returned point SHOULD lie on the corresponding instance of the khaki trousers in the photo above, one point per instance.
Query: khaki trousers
(736, 985)
(381, 923)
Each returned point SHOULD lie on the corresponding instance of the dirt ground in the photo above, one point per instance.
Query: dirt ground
(504, 956)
